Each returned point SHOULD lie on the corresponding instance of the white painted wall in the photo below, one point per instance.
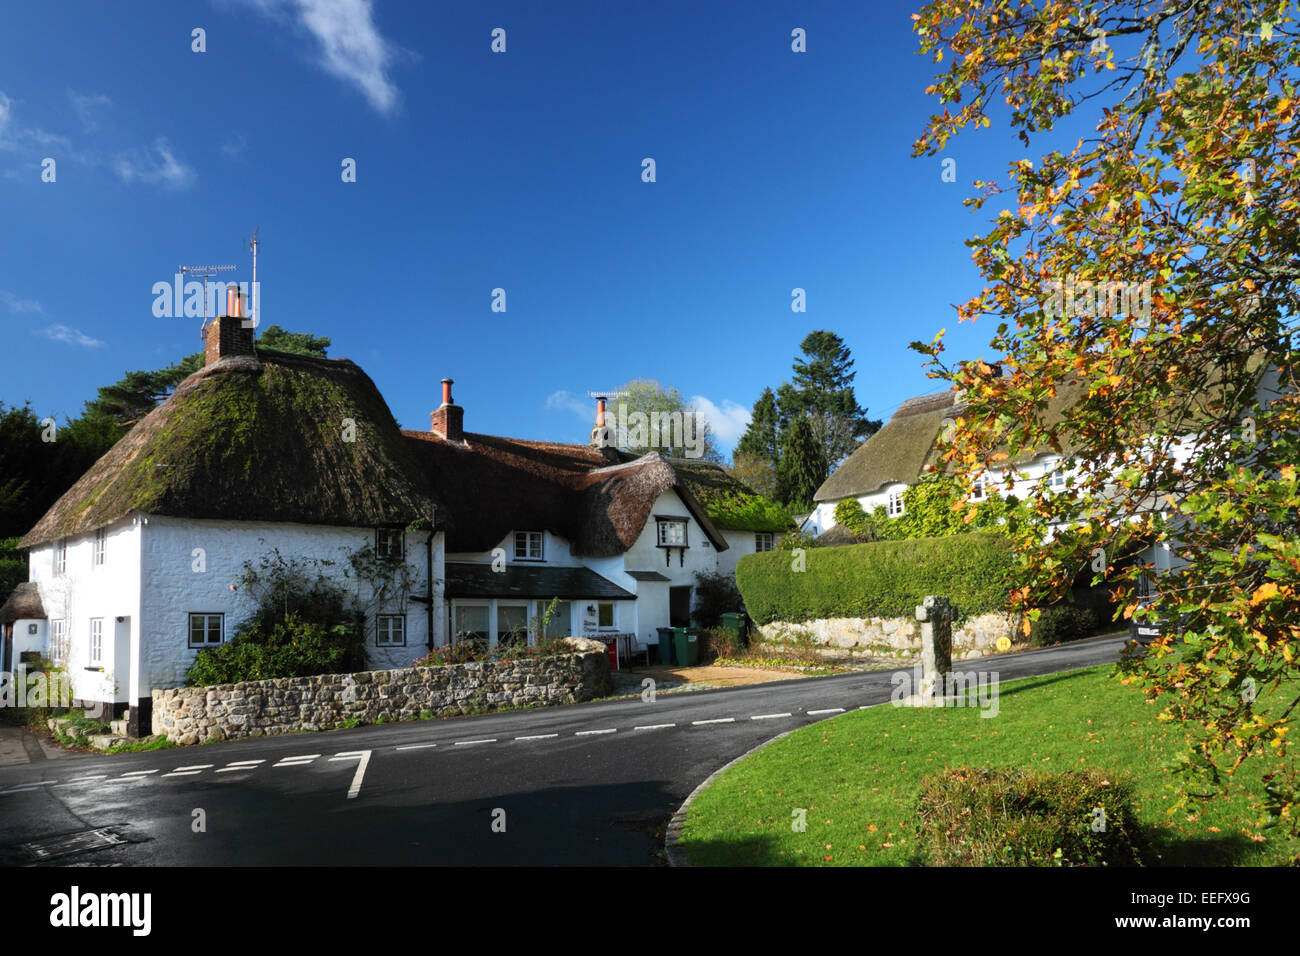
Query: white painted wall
(87, 591)
(174, 586)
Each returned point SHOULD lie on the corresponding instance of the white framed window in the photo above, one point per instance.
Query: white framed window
(979, 490)
(529, 545)
(61, 556)
(389, 543)
(96, 641)
(205, 629)
(894, 507)
(672, 532)
(1054, 474)
(390, 630)
(58, 637)
(101, 547)
(512, 624)
(763, 541)
(605, 614)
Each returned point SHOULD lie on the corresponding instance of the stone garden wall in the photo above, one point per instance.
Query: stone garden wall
(188, 715)
(892, 639)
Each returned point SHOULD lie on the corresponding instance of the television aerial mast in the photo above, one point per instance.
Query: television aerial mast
(205, 273)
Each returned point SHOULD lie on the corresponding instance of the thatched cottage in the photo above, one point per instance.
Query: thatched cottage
(262, 454)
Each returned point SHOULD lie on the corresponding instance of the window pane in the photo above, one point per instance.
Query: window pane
(606, 615)
(512, 623)
(559, 626)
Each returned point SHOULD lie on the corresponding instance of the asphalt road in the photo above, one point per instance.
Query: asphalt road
(589, 784)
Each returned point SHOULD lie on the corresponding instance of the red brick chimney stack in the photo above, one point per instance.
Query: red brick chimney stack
(225, 335)
(448, 419)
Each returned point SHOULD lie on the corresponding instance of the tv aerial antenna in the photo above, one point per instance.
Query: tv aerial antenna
(255, 297)
(205, 273)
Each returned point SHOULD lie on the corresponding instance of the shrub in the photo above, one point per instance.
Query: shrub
(1061, 623)
(715, 595)
(716, 643)
(292, 646)
(1014, 817)
(881, 579)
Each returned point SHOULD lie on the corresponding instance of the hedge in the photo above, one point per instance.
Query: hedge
(880, 579)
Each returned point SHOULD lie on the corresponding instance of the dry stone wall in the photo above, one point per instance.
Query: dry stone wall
(892, 640)
(188, 715)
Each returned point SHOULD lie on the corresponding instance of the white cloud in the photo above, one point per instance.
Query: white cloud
(6, 110)
(234, 145)
(727, 422)
(89, 107)
(62, 333)
(581, 406)
(350, 45)
(19, 306)
(154, 164)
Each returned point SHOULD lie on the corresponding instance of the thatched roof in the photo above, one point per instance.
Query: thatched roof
(897, 452)
(24, 604)
(725, 497)
(904, 448)
(495, 485)
(256, 439)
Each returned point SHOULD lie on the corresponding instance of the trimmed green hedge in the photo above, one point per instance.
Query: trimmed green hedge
(881, 579)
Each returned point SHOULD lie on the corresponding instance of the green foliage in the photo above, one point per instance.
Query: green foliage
(715, 594)
(750, 512)
(650, 398)
(1014, 817)
(13, 567)
(882, 579)
(304, 625)
(300, 343)
(822, 392)
(802, 467)
(1184, 197)
(1061, 623)
(761, 435)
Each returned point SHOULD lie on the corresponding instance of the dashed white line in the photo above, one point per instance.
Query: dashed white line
(240, 765)
(299, 761)
(193, 768)
(654, 726)
(828, 710)
(719, 720)
(414, 746)
(768, 716)
(139, 773)
(588, 733)
(181, 773)
(29, 787)
(99, 776)
(534, 737)
(462, 743)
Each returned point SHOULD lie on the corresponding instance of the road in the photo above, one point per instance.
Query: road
(589, 784)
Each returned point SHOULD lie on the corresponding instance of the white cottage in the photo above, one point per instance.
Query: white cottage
(264, 456)
(258, 453)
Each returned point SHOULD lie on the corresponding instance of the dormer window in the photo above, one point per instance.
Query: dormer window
(529, 545)
(389, 543)
(672, 532)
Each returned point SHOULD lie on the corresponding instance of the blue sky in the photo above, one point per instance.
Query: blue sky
(475, 171)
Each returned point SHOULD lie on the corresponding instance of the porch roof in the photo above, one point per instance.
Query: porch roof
(523, 581)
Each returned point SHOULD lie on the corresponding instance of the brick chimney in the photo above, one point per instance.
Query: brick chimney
(604, 436)
(448, 419)
(226, 336)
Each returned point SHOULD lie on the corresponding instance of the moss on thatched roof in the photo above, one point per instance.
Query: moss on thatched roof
(731, 504)
(256, 439)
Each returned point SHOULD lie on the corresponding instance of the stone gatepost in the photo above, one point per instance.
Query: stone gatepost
(935, 616)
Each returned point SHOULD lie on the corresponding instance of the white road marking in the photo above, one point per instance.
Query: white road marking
(535, 737)
(29, 787)
(100, 776)
(238, 765)
(462, 743)
(587, 733)
(654, 726)
(828, 710)
(300, 761)
(195, 767)
(720, 720)
(139, 773)
(768, 716)
(181, 773)
(361, 769)
(414, 746)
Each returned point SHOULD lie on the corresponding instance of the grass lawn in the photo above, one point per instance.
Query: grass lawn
(858, 775)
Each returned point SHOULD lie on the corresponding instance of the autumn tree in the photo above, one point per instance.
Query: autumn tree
(1146, 261)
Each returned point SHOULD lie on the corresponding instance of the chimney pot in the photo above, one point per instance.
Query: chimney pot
(446, 391)
(233, 300)
(447, 420)
(600, 411)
